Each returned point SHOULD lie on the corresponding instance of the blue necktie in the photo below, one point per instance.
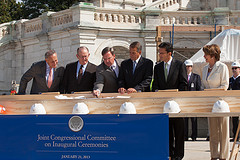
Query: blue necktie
(134, 66)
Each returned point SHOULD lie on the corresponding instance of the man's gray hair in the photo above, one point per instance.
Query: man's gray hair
(80, 48)
(49, 53)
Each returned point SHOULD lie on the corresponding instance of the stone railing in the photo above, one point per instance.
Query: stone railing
(115, 18)
(61, 18)
(199, 18)
(34, 25)
(163, 4)
(234, 18)
(187, 18)
(118, 16)
(4, 29)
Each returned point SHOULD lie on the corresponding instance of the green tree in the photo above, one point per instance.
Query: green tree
(34, 8)
(10, 10)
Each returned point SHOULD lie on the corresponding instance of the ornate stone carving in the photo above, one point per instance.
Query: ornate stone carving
(33, 27)
(64, 19)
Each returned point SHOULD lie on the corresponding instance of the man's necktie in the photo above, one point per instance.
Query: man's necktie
(50, 78)
(112, 68)
(166, 71)
(80, 74)
(134, 66)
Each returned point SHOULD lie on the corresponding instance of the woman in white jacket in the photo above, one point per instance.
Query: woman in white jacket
(216, 75)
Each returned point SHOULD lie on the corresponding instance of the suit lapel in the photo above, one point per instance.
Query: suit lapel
(55, 77)
(108, 69)
(171, 70)
(43, 70)
(162, 76)
(139, 64)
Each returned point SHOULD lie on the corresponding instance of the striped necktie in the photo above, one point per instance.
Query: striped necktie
(80, 74)
(50, 78)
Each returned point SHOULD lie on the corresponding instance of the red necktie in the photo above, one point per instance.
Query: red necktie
(50, 78)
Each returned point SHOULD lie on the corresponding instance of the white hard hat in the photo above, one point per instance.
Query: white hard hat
(80, 108)
(127, 108)
(188, 62)
(171, 107)
(235, 64)
(220, 106)
(37, 108)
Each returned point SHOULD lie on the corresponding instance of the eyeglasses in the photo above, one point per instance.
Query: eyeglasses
(105, 59)
(235, 68)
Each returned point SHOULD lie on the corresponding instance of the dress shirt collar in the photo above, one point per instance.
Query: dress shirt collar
(236, 77)
(137, 59)
(169, 62)
(114, 65)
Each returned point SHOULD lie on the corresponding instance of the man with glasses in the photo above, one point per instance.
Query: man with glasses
(234, 84)
(107, 73)
(80, 76)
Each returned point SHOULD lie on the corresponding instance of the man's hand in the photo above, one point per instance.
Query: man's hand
(121, 90)
(96, 93)
(131, 90)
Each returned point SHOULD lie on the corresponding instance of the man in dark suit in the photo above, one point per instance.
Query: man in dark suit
(80, 76)
(171, 74)
(47, 77)
(135, 73)
(234, 84)
(194, 84)
(107, 73)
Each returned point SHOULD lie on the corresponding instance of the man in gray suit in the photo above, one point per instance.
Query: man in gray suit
(47, 77)
(107, 73)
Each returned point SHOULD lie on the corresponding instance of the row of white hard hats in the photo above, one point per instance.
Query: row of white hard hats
(129, 108)
(218, 107)
(190, 63)
(82, 108)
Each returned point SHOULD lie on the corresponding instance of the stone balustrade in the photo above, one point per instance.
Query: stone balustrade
(110, 18)
(167, 3)
(61, 18)
(34, 25)
(187, 18)
(163, 4)
(234, 18)
(118, 16)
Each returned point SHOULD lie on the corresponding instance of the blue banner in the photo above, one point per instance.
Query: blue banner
(88, 137)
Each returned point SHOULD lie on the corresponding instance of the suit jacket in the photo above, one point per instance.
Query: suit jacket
(194, 83)
(106, 79)
(177, 76)
(218, 77)
(70, 81)
(142, 77)
(37, 72)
